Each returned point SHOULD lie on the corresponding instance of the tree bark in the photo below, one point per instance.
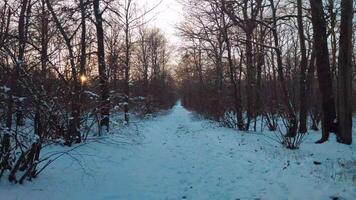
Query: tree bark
(127, 62)
(303, 67)
(345, 73)
(250, 76)
(82, 38)
(323, 69)
(104, 90)
(16, 89)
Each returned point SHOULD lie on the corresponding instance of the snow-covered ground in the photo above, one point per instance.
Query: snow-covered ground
(179, 156)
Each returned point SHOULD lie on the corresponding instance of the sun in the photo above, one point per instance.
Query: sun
(83, 79)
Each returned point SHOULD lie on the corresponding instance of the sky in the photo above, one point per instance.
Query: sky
(165, 16)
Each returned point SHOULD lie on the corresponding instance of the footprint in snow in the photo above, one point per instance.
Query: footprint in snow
(335, 198)
(188, 188)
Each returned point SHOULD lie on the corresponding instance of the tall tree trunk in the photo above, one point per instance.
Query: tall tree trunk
(333, 42)
(197, 57)
(259, 64)
(127, 63)
(250, 78)
(310, 89)
(82, 38)
(16, 89)
(82, 61)
(303, 67)
(323, 69)
(38, 122)
(5, 22)
(104, 90)
(345, 73)
(44, 56)
(144, 59)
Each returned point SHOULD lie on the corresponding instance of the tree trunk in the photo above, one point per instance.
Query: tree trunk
(16, 89)
(82, 38)
(82, 61)
(345, 73)
(323, 69)
(250, 86)
(104, 90)
(127, 64)
(303, 67)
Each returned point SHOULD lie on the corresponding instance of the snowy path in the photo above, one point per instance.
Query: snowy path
(181, 157)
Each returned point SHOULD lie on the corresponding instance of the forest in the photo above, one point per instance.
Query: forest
(78, 75)
(250, 61)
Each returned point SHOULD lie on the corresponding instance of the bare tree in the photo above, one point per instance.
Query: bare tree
(16, 88)
(74, 121)
(250, 11)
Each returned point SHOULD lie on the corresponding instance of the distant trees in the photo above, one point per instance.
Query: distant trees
(155, 82)
(266, 60)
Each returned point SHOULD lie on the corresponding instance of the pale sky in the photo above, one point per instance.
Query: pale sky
(166, 16)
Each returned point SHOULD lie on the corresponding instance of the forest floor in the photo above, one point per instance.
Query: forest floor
(179, 156)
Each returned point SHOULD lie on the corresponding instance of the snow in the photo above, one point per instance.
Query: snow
(179, 156)
(6, 89)
(90, 93)
(20, 62)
